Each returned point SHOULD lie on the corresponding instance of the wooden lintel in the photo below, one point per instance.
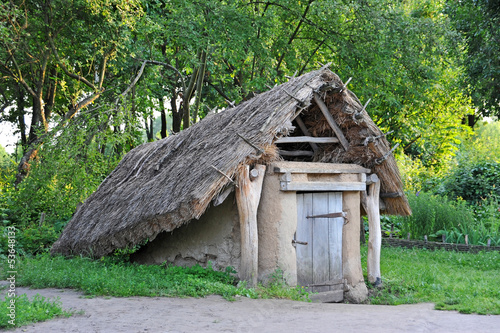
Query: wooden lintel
(304, 130)
(294, 139)
(296, 153)
(329, 118)
(322, 186)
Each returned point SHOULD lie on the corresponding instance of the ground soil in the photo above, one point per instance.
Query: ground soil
(215, 314)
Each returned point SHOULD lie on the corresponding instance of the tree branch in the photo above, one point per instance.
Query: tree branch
(19, 76)
(66, 71)
(81, 105)
(137, 77)
(226, 97)
(294, 34)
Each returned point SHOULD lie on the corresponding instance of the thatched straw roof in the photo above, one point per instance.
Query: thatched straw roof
(161, 185)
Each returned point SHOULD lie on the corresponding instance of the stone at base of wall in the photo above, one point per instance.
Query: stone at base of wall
(356, 294)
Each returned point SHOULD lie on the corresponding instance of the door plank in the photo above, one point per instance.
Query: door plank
(321, 262)
(304, 233)
(335, 233)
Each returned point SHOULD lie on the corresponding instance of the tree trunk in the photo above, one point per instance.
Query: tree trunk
(163, 113)
(371, 203)
(176, 114)
(199, 85)
(247, 198)
(20, 116)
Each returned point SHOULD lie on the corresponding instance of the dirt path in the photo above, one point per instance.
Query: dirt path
(214, 314)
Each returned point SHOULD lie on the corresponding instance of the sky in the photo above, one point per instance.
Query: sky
(7, 137)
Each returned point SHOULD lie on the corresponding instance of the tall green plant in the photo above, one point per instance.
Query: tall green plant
(432, 213)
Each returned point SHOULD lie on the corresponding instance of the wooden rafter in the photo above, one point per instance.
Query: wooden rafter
(295, 139)
(304, 130)
(331, 121)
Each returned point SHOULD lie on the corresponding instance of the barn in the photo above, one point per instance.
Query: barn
(278, 182)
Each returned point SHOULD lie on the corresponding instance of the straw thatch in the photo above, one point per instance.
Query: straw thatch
(161, 185)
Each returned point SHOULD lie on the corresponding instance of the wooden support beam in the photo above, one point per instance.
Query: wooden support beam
(322, 186)
(294, 139)
(331, 121)
(296, 153)
(370, 200)
(319, 168)
(304, 130)
(247, 199)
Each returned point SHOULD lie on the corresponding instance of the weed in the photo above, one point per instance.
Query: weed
(29, 310)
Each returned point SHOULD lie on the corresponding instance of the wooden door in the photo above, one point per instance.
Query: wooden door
(319, 263)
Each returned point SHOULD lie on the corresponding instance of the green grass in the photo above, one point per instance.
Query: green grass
(29, 310)
(468, 283)
(112, 278)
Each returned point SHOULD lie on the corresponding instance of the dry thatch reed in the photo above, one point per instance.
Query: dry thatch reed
(161, 185)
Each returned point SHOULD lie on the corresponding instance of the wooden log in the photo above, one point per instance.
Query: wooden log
(304, 130)
(296, 153)
(247, 199)
(329, 118)
(294, 139)
(371, 201)
(320, 168)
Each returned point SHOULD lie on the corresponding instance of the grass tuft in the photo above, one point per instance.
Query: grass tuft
(29, 310)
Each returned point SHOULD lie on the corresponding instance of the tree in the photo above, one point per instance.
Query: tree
(44, 71)
(479, 23)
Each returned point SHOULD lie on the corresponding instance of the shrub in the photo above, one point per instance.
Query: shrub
(473, 182)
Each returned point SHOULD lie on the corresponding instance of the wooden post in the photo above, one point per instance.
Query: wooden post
(371, 201)
(247, 199)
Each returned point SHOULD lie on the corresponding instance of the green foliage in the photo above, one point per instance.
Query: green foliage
(432, 213)
(465, 282)
(277, 287)
(5, 160)
(473, 182)
(111, 277)
(27, 311)
(479, 24)
(482, 146)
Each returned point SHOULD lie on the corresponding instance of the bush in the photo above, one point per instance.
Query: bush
(473, 182)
